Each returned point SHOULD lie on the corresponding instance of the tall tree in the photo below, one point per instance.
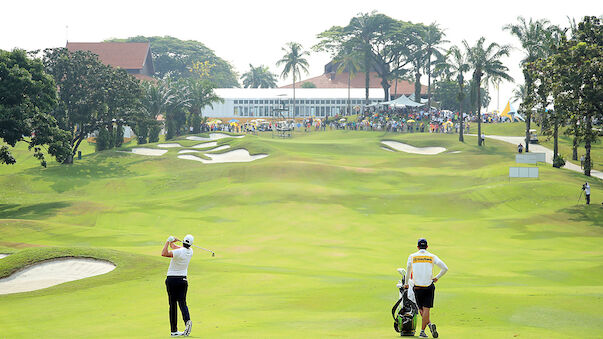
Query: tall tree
(433, 38)
(576, 71)
(175, 58)
(259, 77)
(458, 66)
(293, 63)
(156, 97)
(485, 63)
(201, 94)
(92, 95)
(533, 37)
(175, 118)
(347, 61)
(27, 97)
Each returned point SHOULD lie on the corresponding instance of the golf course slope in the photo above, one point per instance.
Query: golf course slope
(307, 240)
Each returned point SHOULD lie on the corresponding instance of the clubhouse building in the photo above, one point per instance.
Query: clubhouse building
(327, 98)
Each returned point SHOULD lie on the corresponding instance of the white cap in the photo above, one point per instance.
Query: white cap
(188, 239)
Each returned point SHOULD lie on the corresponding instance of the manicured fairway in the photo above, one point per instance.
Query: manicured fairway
(307, 240)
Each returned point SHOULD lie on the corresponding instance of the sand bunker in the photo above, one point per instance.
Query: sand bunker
(386, 149)
(206, 145)
(148, 151)
(411, 149)
(219, 148)
(455, 152)
(53, 272)
(214, 136)
(169, 145)
(238, 155)
(2, 255)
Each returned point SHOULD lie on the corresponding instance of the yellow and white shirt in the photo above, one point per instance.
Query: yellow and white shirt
(421, 265)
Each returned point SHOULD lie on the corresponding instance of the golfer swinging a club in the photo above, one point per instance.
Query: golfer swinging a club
(420, 267)
(176, 282)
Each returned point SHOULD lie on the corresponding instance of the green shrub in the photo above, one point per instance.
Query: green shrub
(558, 161)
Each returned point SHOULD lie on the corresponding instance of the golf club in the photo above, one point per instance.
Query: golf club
(205, 249)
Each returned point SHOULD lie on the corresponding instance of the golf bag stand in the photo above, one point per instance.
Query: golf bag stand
(404, 311)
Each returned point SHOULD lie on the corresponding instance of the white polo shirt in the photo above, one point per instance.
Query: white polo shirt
(587, 189)
(421, 265)
(179, 262)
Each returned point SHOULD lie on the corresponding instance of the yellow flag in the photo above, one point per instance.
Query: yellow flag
(505, 112)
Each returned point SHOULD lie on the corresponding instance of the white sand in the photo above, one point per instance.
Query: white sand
(214, 136)
(53, 272)
(219, 148)
(238, 155)
(169, 145)
(386, 149)
(415, 150)
(149, 151)
(206, 145)
(2, 255)
(455, 152)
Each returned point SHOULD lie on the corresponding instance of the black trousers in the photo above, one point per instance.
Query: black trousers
(588, 199)
(176, 289)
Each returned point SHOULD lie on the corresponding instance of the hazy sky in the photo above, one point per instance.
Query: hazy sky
(245, 32)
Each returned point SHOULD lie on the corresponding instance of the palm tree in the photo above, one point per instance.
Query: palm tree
(259, 77)
(457, 66)
(533, 37)
(519, 93)
(348, 62)
(363, 29)
(433, 37)
(155, 100)
(485, 62)
(200, 94)
(293, 61)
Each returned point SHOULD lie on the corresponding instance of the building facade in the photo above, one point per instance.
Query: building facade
(278, 102)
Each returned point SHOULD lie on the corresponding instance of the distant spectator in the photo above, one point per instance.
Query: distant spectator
(520, 148)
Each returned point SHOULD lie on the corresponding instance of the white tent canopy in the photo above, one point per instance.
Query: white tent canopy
(402, 101)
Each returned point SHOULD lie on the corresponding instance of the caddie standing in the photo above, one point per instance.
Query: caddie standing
(420, 268)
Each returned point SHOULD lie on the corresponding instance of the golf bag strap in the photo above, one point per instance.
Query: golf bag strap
(395, 307)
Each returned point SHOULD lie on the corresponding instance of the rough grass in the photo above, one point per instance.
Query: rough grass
(307, 240)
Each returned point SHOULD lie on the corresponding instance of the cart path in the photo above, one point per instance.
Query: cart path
(535, 148)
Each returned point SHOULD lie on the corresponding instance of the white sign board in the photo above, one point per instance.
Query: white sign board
(530, 158)
(523, 172)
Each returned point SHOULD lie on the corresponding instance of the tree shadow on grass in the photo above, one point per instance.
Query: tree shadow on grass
(81, 172)
(34, 211)
(592, 214)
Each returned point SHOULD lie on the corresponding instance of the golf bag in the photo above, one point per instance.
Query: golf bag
(404, 311)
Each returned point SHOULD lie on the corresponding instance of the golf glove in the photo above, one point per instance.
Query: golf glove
(171, 238)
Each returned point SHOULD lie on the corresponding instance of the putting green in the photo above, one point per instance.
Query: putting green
(307, 240)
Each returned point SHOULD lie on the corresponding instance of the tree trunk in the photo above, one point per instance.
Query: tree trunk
(385, 86)
(528, 108)
(293, 95)
(588, 136)
(528, 123)
(418, 87)
(555, 139)
(462, 122)
(479, 113)
(367, 79)
(349, 95)
(575, 148)
(428, 83)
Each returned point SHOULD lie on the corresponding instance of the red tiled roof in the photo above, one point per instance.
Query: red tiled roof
(340, 80)
(126, 55)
